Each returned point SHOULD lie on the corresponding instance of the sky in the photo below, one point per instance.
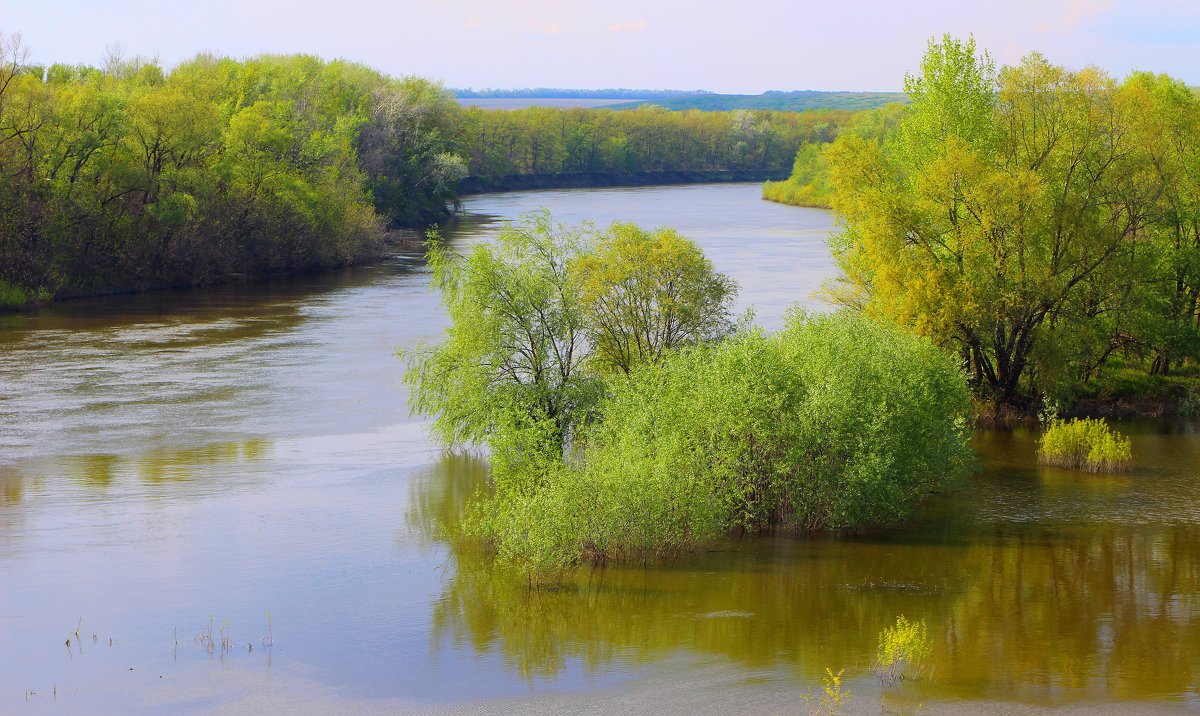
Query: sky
(745, 46)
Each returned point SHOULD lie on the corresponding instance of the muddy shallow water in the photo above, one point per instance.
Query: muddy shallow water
(182, 463)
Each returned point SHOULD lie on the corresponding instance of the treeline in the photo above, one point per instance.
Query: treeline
(560, 93)
(1041, 223)
(545, 140)
(128, 177)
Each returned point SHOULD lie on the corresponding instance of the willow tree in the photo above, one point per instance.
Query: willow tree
(543, 316)
(1007, 205)
(1162, 322)
(515, 349)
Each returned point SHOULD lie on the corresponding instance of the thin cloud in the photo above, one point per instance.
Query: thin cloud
(627, 26)
(473, 22)
(549, 29)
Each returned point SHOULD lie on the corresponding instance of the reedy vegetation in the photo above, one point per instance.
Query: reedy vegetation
(1037, 221)
(903, 652)
(1085, 444)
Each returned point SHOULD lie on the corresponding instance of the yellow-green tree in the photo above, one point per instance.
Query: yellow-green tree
(1007, 207)
(645, 293)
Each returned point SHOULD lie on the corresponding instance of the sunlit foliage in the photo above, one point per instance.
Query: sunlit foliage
(1085, 444)
(645, 293)
(903, 652)
(834, 423)
(540, 314)
(131, 176)
(1035, 220)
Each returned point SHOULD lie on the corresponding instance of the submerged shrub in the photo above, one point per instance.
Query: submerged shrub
(1085, 444)
(835, 422)
(903, 651)
(833, 698)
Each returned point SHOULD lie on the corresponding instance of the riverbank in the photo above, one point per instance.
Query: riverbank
(1127, 393)
(23, 301)
(392, 241)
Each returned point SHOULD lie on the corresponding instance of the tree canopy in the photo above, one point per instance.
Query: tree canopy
(538, 316)
(1034, 219)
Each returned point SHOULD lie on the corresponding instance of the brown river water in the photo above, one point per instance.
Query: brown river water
(180, 464)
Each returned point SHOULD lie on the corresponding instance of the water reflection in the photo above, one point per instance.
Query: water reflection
(98, 473)
(1025, 595)
(439, 495)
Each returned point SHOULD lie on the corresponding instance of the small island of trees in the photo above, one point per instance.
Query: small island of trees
(627, 416)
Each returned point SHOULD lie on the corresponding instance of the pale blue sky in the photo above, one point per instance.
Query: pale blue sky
(738, 46)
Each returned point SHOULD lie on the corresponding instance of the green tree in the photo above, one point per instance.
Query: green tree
(515, 350)
(645, 293)
(537, 318)
(1000, 216)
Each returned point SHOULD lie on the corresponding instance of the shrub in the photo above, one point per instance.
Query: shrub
(833, 423)
(903, 651)
(12, 296)
(1085, 444)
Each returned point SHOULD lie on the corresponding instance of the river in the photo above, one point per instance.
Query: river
(215, 500)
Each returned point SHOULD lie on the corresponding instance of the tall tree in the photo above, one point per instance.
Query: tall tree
(998, 214)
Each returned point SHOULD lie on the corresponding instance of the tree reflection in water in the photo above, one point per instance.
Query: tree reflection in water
(1027, 594)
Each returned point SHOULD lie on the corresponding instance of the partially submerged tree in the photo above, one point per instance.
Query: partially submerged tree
(541, 315)
(516, 346)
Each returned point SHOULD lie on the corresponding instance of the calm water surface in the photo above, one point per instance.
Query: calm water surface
(176, 462)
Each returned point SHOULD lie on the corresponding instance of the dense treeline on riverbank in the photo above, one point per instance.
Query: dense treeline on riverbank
(547, 140)
(128, 177)
(1041, 223)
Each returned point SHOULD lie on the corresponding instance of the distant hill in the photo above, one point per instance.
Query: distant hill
(560, 102)
(797, 101)
(561, 93)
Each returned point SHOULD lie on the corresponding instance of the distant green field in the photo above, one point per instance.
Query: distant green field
(783, 101)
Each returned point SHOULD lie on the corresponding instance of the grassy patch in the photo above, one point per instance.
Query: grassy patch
(1085, 444)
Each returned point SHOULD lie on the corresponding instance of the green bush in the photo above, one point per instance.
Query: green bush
(1085, 444)
(833, 423)
(788, 191)
(12, 297)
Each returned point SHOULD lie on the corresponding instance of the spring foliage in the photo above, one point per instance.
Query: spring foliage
(1038, 221)
(133, 176)
(1085, 444)
(903, 651)
(540, 315)
(833, 423)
